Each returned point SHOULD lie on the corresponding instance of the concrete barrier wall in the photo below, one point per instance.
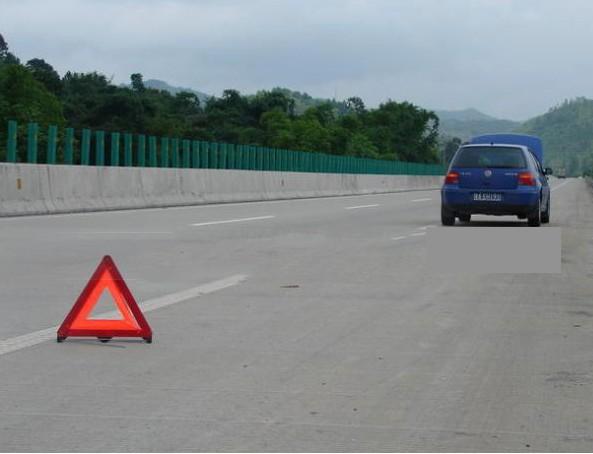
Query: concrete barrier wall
(43, 189)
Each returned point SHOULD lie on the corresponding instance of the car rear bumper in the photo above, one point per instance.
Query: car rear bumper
(516, 202)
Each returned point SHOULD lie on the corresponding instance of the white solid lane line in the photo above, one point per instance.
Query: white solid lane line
(361, 206)
(37, 337)
(230, 221)
(114, 232)
(398, 238)
(418, 234)
(133, 211)
(560, 185)
(421, 200)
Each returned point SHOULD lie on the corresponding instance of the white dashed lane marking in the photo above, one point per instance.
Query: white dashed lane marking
(361, 206)
(37, 337)
(231, 221)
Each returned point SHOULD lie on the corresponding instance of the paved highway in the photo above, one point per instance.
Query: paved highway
(301, 325)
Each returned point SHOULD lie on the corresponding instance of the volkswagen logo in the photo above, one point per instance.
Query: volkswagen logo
(487, 173)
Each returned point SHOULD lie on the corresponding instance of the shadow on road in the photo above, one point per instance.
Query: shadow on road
(517, 223)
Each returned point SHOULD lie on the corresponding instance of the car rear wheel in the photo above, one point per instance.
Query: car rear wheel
(546, 214)
(447, 216)
(465, 217)
(534, 219)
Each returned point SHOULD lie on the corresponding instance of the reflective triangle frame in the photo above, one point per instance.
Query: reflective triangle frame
(77, 323)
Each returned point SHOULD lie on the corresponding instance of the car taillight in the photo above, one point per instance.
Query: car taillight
(526, 179)
(452, 178)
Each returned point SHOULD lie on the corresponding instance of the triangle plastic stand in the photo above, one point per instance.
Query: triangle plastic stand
(78, 322)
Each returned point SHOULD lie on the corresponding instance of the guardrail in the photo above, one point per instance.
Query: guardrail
(88, 148)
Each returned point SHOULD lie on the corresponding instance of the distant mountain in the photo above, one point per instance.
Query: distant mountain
(162, 85)
(303, 101)
(470, 114)
(567, 133)
(471, 122)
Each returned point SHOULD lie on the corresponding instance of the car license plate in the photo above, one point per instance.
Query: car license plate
(487, 197)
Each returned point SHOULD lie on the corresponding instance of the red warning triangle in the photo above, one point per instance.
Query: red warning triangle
(105, 279)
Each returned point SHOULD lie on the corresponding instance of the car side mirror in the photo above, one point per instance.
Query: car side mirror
(548, 171)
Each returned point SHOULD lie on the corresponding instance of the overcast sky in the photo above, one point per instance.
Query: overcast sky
(509, 58)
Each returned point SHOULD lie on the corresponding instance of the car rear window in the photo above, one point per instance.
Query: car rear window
(492, 157)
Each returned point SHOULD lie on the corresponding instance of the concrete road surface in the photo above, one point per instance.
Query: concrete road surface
(306, 325)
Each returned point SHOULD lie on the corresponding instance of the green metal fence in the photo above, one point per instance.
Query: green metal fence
(86, 147)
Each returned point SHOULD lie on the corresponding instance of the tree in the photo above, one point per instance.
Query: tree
(137, 82)
(3, 47)
(46, 74)
(6, 58)
(278, 129)
(361, 145)
(450, 148)
(24, 99)
(403, 131)
(309, 133)
(356, 105)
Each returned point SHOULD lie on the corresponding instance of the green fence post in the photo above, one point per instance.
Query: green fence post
(152, 157)
(223, 157)
(175, 153)
(265, 158)
(195, 151)
(231, 156)
(245, 157)
(52, 143)
(128, 159)
(32, 130)
(286, 160)
(272, 158)
(85, 147)
(236, 156)
(11, 141)
(252, 157)
(258, 158)
(204, 155)
(114, 159)
(141, 151)
(249, 157)
(261, 158)
(164, 152)
(214, 155)
(100, 148)
(185, 154)
(69, 146)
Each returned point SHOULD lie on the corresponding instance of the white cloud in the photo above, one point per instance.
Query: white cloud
(512, 58)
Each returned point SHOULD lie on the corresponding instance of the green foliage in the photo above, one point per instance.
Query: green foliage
(24, 99)
(137, 82)
(279, 118)
(567, 133)
(405, 132)
(45, 73)
(6, 58)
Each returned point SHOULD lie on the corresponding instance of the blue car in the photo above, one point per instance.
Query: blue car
(495, 179)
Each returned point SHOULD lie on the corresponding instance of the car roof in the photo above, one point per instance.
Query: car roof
(505, 145)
